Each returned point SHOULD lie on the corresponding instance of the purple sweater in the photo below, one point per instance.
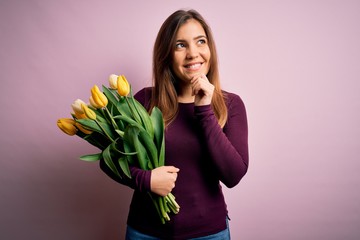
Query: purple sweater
(205, 155)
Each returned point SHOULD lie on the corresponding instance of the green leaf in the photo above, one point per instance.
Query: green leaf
(99, 114)
(120, 124)
(123, 107)
(98, 140)
(108, 129)
(109, 95)
(105, 129)
(89, 124)
(129, 149)
(150, 148)
(158, 125)
(91, 157)
(162, 153)
(128, 120)
(121, 133)
(108, 160)
(132, 136)
(126, 152)
(145, 117)
(124, 165)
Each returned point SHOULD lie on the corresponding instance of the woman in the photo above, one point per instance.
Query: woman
(205, 137)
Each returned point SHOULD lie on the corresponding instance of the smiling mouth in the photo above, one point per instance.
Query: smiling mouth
(193, 66)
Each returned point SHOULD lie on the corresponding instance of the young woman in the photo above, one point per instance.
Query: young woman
(206, 137)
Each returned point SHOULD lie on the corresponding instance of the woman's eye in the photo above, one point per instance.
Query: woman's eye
(202, 41)
(179, 45)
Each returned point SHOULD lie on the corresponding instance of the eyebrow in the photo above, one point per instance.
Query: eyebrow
(195, 38)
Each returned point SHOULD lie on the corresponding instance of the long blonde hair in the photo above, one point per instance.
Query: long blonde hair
(164, 95)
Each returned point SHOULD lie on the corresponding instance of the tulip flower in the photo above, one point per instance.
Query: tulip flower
(113, 81)
(82, 129)
(98, 99)
(88, 112)
(76, 106)
(67, 125)
(123, 86)
(93, 103)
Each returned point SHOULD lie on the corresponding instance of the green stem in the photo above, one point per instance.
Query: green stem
(162, 208)
(104, 131)
(155, 202)
(171, 200)
(111, 119)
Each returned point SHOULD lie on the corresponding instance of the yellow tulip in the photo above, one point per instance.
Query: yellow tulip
(81, 128)
(98, 98)
(88, 112)
(79, 116)
(76, 106)
(78, 112)
(67, 125)
(123, 86)
(113, 81)
(93, 103)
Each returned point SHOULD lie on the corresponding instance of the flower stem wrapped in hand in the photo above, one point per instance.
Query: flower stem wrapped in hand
(117, 124)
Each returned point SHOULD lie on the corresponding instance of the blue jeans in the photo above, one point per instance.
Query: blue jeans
(132, 234)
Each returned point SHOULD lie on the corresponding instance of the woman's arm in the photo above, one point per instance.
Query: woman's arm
(228, 147)
(140, 179)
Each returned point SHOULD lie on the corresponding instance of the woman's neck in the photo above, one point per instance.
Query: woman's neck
(185, 94)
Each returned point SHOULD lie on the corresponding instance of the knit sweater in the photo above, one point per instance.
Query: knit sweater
(206, 155)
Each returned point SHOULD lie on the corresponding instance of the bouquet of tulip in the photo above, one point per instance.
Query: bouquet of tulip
(117, 124)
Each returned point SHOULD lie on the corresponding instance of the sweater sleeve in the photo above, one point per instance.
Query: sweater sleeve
(228, 147)
(140, 179)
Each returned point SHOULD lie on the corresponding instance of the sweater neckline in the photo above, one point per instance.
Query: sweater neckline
(190, 103)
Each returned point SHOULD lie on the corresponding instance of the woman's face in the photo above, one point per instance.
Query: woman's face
(192, 53)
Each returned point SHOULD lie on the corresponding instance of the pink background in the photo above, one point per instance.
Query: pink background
(296, 64)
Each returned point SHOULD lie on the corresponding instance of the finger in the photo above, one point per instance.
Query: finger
(196, 78)
(195, 90)
(174, 175)
(196, 86)
(203, 76)
(172, 169)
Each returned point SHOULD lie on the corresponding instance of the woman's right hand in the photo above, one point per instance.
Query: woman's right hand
(163, 179)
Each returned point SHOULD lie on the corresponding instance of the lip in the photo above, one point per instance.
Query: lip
(194, 66)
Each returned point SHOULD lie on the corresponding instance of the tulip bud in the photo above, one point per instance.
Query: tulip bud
(113, 81)
(88, 112)
(76, 106)
(123, 86)
(98, 97)
(67, 125)
(93, 103)
(81, 128)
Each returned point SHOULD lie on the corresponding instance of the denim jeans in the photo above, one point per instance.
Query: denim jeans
(132, 234)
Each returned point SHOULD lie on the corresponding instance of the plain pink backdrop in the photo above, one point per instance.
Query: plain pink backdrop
(296, 65)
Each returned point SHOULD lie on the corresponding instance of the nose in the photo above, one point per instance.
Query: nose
(192, 52)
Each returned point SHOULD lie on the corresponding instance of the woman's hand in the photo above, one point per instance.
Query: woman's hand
(202, 89)
(163, 180)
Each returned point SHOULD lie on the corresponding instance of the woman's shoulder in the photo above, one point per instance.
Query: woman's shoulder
(144, 96)
(234, 103)
(232, 98)
(236, 108)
